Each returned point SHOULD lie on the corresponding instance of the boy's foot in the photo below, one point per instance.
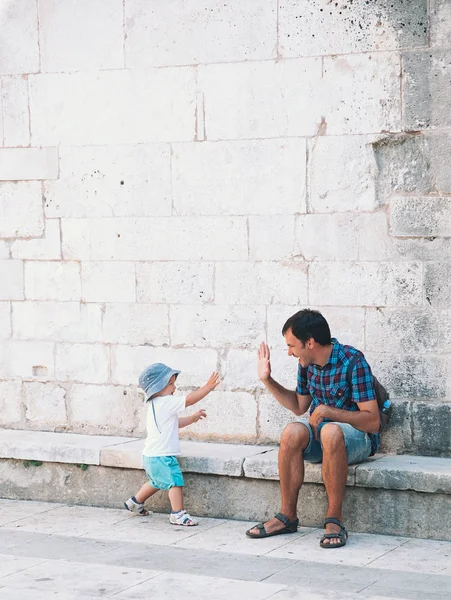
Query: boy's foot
(135, 507)
(182, 518)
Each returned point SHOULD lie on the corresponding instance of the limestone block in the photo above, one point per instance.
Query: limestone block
(398, 437)
(81, 34)
(341, 27)
(111, 181)
(52, 280)
(20, 44)
(260, 283)
(239, 177)
(46, 248)
(240, 370)
(11, 275)
(437, 284)
(126, 456)
(411, 375)
(370, 84)
(107, 409)
(4, 249)
(136, 324)
(439, 146)
(175, 282)
(176, 238)
(426, 78)
(16, 121)
(271, 237)
(10, 403)
(70, 108)
(196, 366)
(342, 173)
(431, 424)
(5, 320)
(376, 244)
(28, 360)
(216, 326)
(108, 282)
(85, 363)
(182, 32)
(58, 321)
(440, 19)
(420, 217)
(21, 213)
(262, 99)
(366, 284)
(45, 406)
(231, 417)
(273, 418)
(413, 330)
(22, 164)
(327, 237)
(418, 473)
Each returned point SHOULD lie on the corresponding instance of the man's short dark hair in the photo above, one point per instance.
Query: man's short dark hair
(307, 324)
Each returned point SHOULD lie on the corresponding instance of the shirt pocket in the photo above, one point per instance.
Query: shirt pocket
(338, 395)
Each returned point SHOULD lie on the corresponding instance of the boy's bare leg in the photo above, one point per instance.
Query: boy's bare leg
(176, 498)
(294, 441)
(145, 492)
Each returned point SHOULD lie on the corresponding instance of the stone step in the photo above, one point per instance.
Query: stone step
(394, 494)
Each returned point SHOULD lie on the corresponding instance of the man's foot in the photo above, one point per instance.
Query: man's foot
(280, 523)
(135, 507)
(333, 526)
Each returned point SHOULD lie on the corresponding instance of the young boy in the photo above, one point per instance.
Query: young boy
(162, 442)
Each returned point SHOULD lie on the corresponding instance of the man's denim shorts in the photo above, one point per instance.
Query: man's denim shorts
(358, 443)
(163, 472)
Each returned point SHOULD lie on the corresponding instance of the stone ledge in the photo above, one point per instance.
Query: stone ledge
(389, 472)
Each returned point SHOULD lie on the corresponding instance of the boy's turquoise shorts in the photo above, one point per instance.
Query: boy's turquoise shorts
(163, 472)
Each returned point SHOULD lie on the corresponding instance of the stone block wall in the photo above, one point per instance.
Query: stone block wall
(177, 178)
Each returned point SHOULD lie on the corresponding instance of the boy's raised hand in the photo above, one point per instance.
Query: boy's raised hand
(213, 381)
(199, 414)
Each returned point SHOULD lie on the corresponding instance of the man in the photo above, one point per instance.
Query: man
(342, 428)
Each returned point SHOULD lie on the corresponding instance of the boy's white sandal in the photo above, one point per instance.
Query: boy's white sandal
(135, 507)
(182, 518)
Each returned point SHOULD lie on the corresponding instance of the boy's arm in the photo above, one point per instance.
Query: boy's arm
(197, 395)
(184, 421)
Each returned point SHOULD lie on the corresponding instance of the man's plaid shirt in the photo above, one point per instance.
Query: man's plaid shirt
(329, 385)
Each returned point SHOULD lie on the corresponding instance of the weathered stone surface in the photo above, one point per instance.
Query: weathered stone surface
(398, 437)
(70, 108)
(271, 237)
(11, 274)
(136, 324)
(260, 283)
(323, 27)
(365, 284)
(52, 280)
(431, 425)
(46, 248)
(420, 217)
(45, 406)
(27, 360)
(125, 456)
(79, 35)
(21, 210)
(108, 281)
(436, 281)
(183, 33)
(258, 177)
(57, 321)
(239, 368)
(10, 404)
(175, 282)
(87, 363)
(182, 238)
(440, 19)
(329, 159)
(262, 99)
(16, 120)
(111, 181)
(20, 44)
(426, 89)
(241, 326)
(22, 164)
(332, 230)
(5, 320)
(273, 417)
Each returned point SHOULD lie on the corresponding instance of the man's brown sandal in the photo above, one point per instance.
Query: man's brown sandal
(342, 535)
(290, 527)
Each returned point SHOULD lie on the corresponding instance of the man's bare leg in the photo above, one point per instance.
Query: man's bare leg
(335, 473)
(294, 441)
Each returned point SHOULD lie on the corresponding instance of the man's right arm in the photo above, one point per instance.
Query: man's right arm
(297, 403)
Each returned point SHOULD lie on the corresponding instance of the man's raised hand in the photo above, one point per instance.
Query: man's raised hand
(264, 365)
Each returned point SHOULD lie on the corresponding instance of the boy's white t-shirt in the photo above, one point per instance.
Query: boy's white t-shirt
(163, 436)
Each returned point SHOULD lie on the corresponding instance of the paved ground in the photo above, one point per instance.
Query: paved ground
(61, 552)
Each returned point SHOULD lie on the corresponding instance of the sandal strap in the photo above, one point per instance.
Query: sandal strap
(332, 536)
(283, 518)
(334, 521)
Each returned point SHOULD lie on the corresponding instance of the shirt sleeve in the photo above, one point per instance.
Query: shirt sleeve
(301, 387)
(178, 404)
(362, 382)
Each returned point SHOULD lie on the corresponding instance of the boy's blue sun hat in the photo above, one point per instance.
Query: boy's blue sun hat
(155, 377)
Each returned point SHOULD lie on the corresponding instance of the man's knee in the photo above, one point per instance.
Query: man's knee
(331, 437)
(295, 436)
